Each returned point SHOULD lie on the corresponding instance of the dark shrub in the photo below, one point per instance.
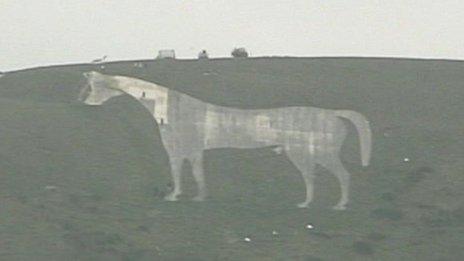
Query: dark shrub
(239, 52)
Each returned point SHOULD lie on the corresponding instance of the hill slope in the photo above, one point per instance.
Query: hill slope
(86, 182)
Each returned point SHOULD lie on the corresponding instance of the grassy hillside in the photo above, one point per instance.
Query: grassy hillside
(85, 183)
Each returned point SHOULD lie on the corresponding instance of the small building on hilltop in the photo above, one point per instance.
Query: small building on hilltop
(203, 55)
(166, 54)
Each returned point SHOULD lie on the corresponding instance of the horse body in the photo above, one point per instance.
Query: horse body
(188, 126)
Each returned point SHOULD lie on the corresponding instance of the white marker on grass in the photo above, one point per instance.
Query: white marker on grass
(50, 187)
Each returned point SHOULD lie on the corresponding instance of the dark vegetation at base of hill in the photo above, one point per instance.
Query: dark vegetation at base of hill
(86, 182)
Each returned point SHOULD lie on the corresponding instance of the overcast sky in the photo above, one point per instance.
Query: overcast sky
(42, 32)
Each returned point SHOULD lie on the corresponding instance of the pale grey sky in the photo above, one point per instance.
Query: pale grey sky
(42, 32)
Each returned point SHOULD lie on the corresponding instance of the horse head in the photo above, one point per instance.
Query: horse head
(99, 89)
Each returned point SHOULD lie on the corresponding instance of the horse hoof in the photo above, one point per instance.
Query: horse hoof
(339, 207)
(170, 198)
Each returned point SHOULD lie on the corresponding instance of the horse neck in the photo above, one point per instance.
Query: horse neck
(161, 95)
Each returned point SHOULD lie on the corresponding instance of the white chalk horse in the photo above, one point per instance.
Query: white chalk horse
(188, 126)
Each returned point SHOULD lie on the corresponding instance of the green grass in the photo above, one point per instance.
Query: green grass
(85, 183)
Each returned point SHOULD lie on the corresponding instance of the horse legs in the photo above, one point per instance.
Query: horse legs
(308, 177)
(306, 167)
(176, 172)
(343, 176)
(198, 175)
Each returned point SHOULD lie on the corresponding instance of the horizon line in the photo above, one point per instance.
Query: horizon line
(231, 58)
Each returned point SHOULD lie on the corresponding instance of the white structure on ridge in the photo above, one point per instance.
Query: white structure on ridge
(166, 54)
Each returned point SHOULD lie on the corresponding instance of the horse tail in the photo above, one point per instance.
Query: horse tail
(364, 132)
